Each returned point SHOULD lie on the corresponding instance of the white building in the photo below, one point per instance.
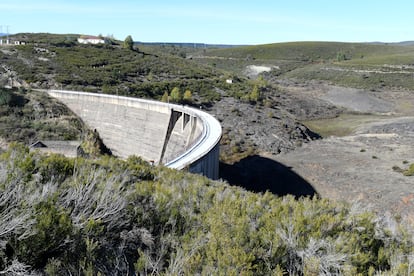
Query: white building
(11, 42)
(4, 41)
(91, 40)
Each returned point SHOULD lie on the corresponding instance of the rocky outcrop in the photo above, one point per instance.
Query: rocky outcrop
(272, 129)
(92, 146)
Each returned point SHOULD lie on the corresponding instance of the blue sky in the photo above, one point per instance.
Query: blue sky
(215, 21)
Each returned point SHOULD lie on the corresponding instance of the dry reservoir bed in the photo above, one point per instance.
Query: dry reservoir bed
(359, 166)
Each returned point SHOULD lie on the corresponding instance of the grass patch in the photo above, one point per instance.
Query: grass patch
(363, 77)
(343, 125)
(409, 171)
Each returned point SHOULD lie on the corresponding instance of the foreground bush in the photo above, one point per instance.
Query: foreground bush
(74, 216)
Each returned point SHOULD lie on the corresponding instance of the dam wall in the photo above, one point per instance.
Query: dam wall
(173, 135)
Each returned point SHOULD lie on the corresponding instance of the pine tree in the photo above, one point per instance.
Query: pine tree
(164, 97)
(254, 96)
(176, 95)
(188, 96)
(129, 43)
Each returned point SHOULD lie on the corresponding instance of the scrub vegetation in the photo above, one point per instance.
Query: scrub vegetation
(58, 61)
(98, 215)
(28, 116)
(358, 65)
(106, 216)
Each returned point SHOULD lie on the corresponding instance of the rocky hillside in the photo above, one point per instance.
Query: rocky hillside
(271, 126)
(70, 216)
(52, 61)
(59, 62)
(28, 116)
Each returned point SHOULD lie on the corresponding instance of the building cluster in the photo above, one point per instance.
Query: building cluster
(8, 41)
(83, 39)
(88, 39)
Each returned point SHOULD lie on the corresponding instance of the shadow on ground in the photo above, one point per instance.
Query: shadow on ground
(260, 174)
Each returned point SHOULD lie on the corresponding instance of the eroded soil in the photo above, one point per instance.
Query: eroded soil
(359, 165)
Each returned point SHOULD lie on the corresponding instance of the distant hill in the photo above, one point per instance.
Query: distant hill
(402, 43)
(406, 43)
(307, 51)
(54, 60)
(156, 67)
(360, 65)
(187, 44)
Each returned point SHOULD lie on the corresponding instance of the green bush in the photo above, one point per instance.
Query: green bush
(111, 216)
(53, 226)
(55, 166)
(32, 115)
(5, 97)
(92, 145)
(409, 171)
(176, 95)
(188, 96)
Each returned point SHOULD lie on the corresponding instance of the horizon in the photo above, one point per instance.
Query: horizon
(216, 22)
(222, 44)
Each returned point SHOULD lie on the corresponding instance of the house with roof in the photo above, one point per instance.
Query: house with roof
(88, 39)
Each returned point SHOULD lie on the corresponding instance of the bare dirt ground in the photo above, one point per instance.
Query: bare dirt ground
(254, 70)
(357, 100)
(359, 165)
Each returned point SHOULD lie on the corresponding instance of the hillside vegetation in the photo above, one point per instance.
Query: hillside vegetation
(310, 51)
(356, 65)
(58, 61)
(28, 116)
(106, 216)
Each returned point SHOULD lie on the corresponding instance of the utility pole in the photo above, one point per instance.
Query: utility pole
(7, 32)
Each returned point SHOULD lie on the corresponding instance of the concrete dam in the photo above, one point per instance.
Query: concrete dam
(176, 136)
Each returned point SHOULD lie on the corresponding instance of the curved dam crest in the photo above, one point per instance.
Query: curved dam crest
(174, 135)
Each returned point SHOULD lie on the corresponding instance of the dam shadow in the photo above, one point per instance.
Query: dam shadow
(259, 174)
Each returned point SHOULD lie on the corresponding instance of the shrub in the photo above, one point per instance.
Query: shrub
(165, 97)
(397, 169)
(52, 227)
(112, 216)
(129, 43)
(255, 96)
(5, 97)
(11, 98)
(55, 166)
(176, 95)
(92, 145)
(409, 171)
(188, 96)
